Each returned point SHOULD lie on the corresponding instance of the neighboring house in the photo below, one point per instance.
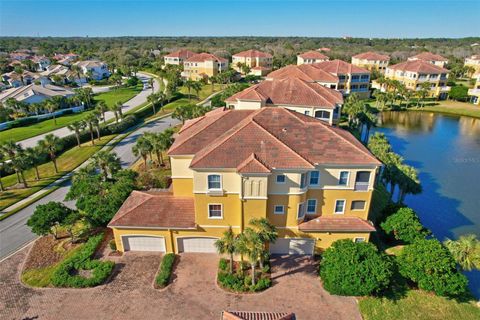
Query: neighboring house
(306, 72)
(203, 65)
(33, 93)
(255, 315)
(313, 181)
(17, 80)
(310, 57)
(413, 73)
(41, 63)
(178, 57)
(94, 69)
(429, 57)
(474, 63)
(65, 73)
(371, 61)
(260, 63)
(474, 93)
(20, 56)
(309, 98)
(66, 59)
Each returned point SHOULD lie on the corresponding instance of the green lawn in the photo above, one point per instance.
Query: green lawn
(452, 107)
(119, 95)
(203, 94)
(66, 162)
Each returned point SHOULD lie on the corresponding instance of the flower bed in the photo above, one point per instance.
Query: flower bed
(79, 271)
(165, 272)
(241, 279)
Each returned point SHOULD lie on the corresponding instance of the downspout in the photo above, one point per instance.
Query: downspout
(241, 204)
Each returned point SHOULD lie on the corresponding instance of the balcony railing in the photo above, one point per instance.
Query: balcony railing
(361, 186)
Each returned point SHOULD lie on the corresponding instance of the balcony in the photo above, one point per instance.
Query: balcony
(361, 186)
(362, 181)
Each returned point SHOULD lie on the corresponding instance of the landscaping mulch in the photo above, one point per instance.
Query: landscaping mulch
(47, 251)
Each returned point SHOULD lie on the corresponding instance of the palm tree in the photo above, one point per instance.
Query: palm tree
(102, 108)
(34, 157)
(52, 106)
(213, 80)
(142, 148)
(119, 107)
(20, 164)
(106, 162)
(77, 127)
(89, 121)
(227, 244)
(153, 100)
(353, 107)
(150, 83)
(11, 150)
(114, 109)
(408, 182)
(267, 233)
(77, 71)
(197, 86)
(465, 251)
(2, 165)
(51, 144)
(189, 85)
(250, 244)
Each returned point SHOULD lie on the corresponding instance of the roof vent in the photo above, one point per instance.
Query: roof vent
(284, 129)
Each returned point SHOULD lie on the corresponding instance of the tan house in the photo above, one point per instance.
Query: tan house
(313, 181)
(34, 93)
(310, 57)
(413, 73)
(178, 57)
(474, 93)
(474, 63)
(371, 61)
(260, 63)
(305, 72)
(309, 98)
(203, 65)
(429, 57)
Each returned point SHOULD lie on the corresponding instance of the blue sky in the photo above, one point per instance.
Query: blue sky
(360, 18)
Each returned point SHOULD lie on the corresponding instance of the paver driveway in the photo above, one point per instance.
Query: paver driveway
(193, 295)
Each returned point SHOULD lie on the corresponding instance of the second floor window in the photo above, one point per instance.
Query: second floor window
(343, 179)
(311, 206)
(281, 178)
(303, 180)
(214, 182)
(215, 211)
(314, 178)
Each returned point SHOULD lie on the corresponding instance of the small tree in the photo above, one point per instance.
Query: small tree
(432, 267)
(106, 162)
(77, 127)
(465, 251)
(227, 244)
(48, 217)
(51, 144)
(267, 232)
(250, 244)
(355, 269)
(405, 225)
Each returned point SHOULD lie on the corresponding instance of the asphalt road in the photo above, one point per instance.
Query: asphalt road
(130, 104)
(14, 233)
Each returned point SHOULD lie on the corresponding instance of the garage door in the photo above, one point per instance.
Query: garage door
(143, 243)
(197, 244)
(292, 246)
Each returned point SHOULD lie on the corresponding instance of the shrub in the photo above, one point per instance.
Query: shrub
(165, 272)
(354, 269)
(432, 267)
(404, 225)
(262, 284)
(113, 245)
(223, 264)
(132, 81)
(64, 275)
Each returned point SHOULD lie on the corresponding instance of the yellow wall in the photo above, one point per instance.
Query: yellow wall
(231, 209)
(182, 187)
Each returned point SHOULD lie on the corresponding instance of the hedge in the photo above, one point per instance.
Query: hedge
(165, 272)
(64, 275)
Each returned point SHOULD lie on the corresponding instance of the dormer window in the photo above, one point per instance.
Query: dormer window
(214, 182)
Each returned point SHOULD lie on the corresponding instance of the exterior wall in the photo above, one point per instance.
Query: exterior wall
(197, 70)
(182, 187)
(173, 60)
(379, 65)
(301, 60)
(475, 64)
(231, 207)
(413, 81)
(440, 64)
(251, 62)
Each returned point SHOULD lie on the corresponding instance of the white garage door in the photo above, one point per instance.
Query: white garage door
(143, 243)
(293, 246)
(196, 244)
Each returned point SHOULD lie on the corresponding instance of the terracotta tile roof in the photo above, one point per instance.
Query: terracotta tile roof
(182, 53)
(339, 67)
(202, 57)
(332, 224)
(251, 315)
(372, 56)
(418, 66)
(290, 91)
(252, 54)
(252, 165)
(280, 138)
(313, 55)
(306, 72)
(155, 209)
(428, 56)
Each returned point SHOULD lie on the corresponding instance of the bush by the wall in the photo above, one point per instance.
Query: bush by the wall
(66, 274)
(355, 269)
(429, 264)
(166, 268)
(404, 225)
(223, 264)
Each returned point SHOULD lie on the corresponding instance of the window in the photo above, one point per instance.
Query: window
(301, 210)
(358, 205)
(322, 114)
(314, 178)
(307, 113)
(281, 178)
(279, 210)
(358, 240)
(343, 179)
(303, 180)
(339, 207)
(214, 182)
(215, 211)
(311, 206)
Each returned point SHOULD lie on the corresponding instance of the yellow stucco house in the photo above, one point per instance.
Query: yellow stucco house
(203, 65)
(178, 57)
(413, 73)
(474, 63)
(474, 93)
(260, 63)
(429, 57)
(310, 57)
(313, 181)
(371, 61)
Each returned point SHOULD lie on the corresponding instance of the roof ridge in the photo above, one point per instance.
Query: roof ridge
(308, 85)
(355, 146)
(150, 196)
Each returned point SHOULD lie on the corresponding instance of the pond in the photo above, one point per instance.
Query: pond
(446, 152)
